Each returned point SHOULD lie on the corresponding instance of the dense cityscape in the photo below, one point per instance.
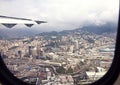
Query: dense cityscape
(73, 57)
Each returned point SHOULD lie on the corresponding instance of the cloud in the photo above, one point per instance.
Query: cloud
(63, 14)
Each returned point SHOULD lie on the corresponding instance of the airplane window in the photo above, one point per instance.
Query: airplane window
(58, 42)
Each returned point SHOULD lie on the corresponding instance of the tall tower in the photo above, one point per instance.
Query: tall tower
(40, 51)
(34, 51)
(76, 45)
(30, 50)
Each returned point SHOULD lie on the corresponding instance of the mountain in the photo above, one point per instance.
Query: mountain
(108, 28)
(18, 33)
(52, 33)
(100, 29)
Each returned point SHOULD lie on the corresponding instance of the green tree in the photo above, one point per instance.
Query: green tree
(61, 70)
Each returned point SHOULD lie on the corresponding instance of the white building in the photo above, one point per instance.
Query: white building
(95, 75)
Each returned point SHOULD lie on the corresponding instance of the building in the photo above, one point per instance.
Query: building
(92, 76)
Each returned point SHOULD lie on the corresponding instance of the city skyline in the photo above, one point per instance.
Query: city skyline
(73, 57)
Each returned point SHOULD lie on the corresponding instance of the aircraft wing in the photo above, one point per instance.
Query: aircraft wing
(10, 22)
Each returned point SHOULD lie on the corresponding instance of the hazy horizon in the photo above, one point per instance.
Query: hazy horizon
(62, 14)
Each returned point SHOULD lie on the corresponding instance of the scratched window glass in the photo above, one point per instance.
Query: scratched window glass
(58, 42)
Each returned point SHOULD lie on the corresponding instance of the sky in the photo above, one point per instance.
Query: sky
(62, 14)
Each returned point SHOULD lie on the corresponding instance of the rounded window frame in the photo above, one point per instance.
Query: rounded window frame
(7, 78)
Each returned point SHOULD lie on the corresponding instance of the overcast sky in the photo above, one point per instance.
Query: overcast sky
(63, 14)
